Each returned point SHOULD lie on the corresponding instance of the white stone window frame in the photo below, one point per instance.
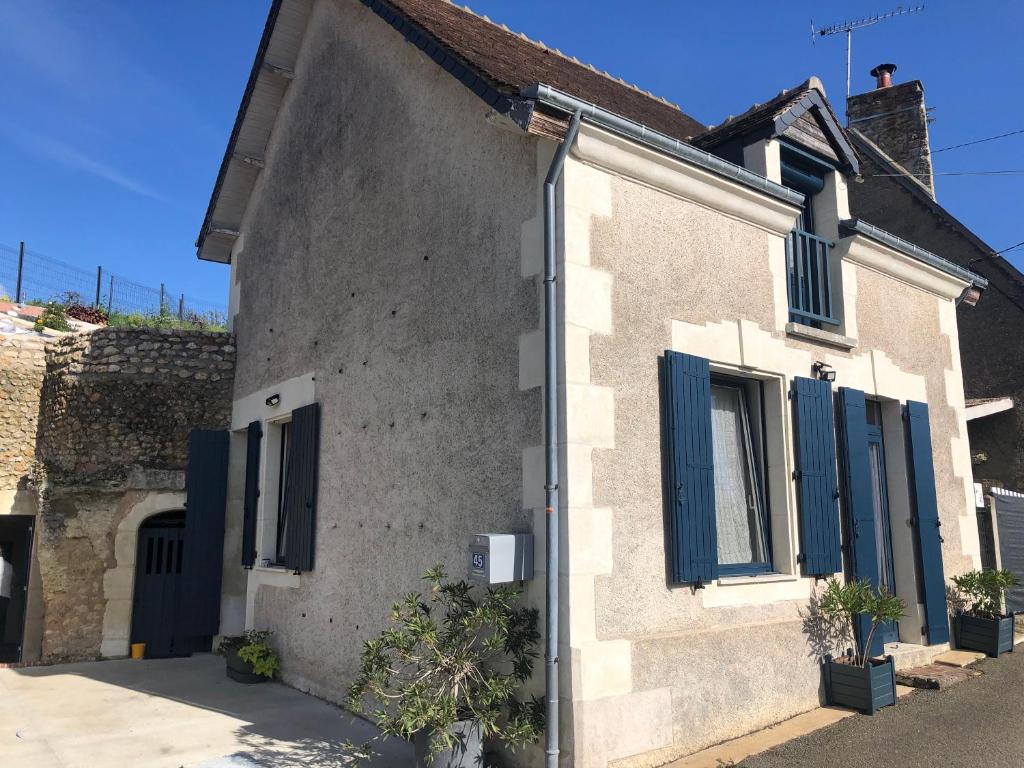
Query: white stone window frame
(777, 471)
(289, 394)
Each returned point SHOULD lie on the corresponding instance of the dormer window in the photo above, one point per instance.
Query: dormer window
(807, 254)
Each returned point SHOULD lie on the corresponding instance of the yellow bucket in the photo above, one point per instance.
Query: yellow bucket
(138, 650)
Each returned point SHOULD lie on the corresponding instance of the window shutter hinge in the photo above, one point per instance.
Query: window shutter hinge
(924, 631)
(801, 558)
(797, 474)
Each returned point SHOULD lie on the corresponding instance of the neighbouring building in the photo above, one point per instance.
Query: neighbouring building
(95, 460)
(889, 128)
(380, 204)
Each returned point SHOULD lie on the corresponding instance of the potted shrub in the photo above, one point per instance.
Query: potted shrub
(979, 622)
(855, 679)
(249, 658)
(446, 672)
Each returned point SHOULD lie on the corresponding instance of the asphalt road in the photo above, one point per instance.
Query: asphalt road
(979, 722)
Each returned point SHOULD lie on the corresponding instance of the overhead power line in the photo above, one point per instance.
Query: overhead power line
(949, 173)
(979, 141)
(1012, 247)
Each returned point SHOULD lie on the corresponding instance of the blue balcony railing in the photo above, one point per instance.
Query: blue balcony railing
(810, 280)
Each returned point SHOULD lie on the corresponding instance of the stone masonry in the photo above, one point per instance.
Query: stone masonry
(895, 118)
(104, 420)
(117, 400)
(22, 364)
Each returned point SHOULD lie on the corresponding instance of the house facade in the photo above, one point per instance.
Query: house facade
(756, 388)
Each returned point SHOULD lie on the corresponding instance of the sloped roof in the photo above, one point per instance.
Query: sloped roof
(511, 62)
(988, 261)
(776, 115)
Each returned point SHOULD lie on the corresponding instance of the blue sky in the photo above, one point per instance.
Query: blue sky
(116, 114)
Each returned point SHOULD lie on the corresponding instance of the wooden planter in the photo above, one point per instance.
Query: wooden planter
(990, 636)
(867, 689)
(468, 751)
(241, 671)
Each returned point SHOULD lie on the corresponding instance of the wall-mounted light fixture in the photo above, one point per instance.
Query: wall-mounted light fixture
(273, 400)
(824, 371)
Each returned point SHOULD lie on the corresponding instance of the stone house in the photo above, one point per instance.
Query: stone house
(382, 204)
(889, 128)
(95, 458)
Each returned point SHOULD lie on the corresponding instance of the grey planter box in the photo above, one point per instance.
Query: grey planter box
(241, 671)
(989, 636)
(867, 689)
(468, 751)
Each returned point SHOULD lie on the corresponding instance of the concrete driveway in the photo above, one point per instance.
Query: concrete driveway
(169, 713)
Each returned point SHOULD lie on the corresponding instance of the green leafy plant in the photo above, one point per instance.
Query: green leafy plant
(54, 316)
(461, 653)
(262, 657)
(253, 647)
(841, 603)
(981, 593)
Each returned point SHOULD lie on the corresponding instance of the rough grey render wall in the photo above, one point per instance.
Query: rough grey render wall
(116, 410)
(991, 333)
(382, 252)
(895, 119)
(22, 364)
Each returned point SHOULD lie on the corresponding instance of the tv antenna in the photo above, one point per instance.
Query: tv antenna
(849, 26)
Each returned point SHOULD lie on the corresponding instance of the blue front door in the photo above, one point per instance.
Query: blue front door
(880, 505)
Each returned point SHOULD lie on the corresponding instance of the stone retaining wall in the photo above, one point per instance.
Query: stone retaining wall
(22, 364)
(117, 399)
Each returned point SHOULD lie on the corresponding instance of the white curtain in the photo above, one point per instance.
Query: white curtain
(740, 534)
(874, 454)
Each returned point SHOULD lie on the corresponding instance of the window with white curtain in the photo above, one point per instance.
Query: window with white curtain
(740, 508)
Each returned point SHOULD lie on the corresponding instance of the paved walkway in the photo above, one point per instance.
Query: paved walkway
(170, 713)
(975, 723)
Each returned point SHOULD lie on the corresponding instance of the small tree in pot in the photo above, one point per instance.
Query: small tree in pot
(446, 673)
(856, 679)
(979, 621)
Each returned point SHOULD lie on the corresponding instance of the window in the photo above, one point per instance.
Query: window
(807, 255)
(739, 477)
(282, 511)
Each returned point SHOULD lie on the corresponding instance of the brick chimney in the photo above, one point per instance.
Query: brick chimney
(894, 118)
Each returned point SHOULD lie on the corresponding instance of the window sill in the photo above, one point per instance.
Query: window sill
(760, 578)
(275, 576)
(824, 337)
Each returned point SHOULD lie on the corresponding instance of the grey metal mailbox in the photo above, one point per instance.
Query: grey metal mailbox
(498, 558)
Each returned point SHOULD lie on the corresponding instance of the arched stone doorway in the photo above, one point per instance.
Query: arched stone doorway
(119, 581)
(158, 593)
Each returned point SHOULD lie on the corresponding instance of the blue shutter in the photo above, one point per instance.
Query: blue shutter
(926, 522)
(692, 534)
(252, 493)
(816, 478)
(300, 488)
(206, 488)
(860, 511)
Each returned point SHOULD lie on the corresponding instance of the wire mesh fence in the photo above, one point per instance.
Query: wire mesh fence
(27, 276)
